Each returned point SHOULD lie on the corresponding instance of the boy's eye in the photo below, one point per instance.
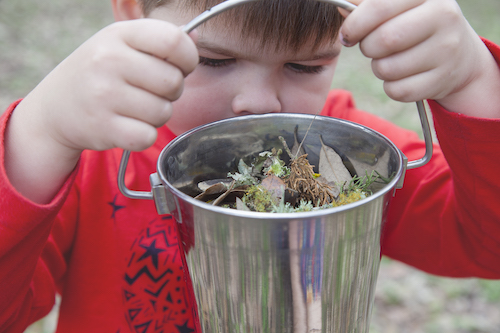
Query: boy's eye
(305, 69)
(216, 62)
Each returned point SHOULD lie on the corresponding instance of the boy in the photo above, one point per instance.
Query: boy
(65, 228)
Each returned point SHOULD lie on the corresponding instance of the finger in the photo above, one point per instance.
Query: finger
(407, 63)
(163, 40)
(131, 134)
(343, 12)
(414, 88)
(193, 34)
(143, 106)
(394, 68)
(369, 15)
(154, 75)
(400, 33)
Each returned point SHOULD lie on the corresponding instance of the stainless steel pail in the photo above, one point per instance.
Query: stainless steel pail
(287, 272)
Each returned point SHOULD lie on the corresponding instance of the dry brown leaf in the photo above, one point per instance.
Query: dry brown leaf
(223, 195)
(381, 165)
(331, 167)
(240, 205)
(211, 192)
(204, 185)
(275, 186)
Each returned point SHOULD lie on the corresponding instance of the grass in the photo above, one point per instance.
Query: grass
(408, 300)
(35, 36)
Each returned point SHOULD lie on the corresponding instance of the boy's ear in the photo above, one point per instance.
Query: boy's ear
(126, 10)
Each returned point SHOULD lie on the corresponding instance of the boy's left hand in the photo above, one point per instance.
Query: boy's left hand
(426, 49)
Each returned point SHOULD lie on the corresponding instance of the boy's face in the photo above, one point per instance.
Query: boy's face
(235, 77)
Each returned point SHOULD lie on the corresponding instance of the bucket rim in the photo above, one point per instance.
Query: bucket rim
(280, 216)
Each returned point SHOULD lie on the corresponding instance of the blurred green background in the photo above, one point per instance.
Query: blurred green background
(35, 36)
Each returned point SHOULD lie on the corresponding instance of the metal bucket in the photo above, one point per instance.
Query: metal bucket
(265, 272)
(287, 272)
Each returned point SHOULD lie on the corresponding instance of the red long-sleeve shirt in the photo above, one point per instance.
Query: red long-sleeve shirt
(117, 264)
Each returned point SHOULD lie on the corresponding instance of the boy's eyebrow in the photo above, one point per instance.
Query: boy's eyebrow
(203, 45)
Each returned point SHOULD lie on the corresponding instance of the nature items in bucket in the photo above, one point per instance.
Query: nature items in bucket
(266, 183)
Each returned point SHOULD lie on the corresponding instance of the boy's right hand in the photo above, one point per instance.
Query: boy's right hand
(117, 87)
(113, 91)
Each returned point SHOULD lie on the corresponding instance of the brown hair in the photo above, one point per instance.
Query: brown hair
(282, 23)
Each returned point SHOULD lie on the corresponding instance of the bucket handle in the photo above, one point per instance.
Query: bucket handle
(206, 15)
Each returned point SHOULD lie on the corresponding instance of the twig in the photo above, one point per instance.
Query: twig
(304, 138)
(288, 151)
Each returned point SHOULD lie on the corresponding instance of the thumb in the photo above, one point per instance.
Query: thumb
(193, 34)
(344, 12)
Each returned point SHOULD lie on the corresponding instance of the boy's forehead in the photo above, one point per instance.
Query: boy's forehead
(217, 39)
(281, 24)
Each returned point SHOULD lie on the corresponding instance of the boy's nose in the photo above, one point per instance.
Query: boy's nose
(258, 94)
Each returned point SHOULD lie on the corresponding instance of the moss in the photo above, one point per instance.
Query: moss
(350, 197)
(258, 199)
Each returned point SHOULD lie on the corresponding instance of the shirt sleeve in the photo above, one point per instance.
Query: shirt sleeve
(446, 219)
(27, 279)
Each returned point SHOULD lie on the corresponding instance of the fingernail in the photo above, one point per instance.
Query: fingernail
(343, 40)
